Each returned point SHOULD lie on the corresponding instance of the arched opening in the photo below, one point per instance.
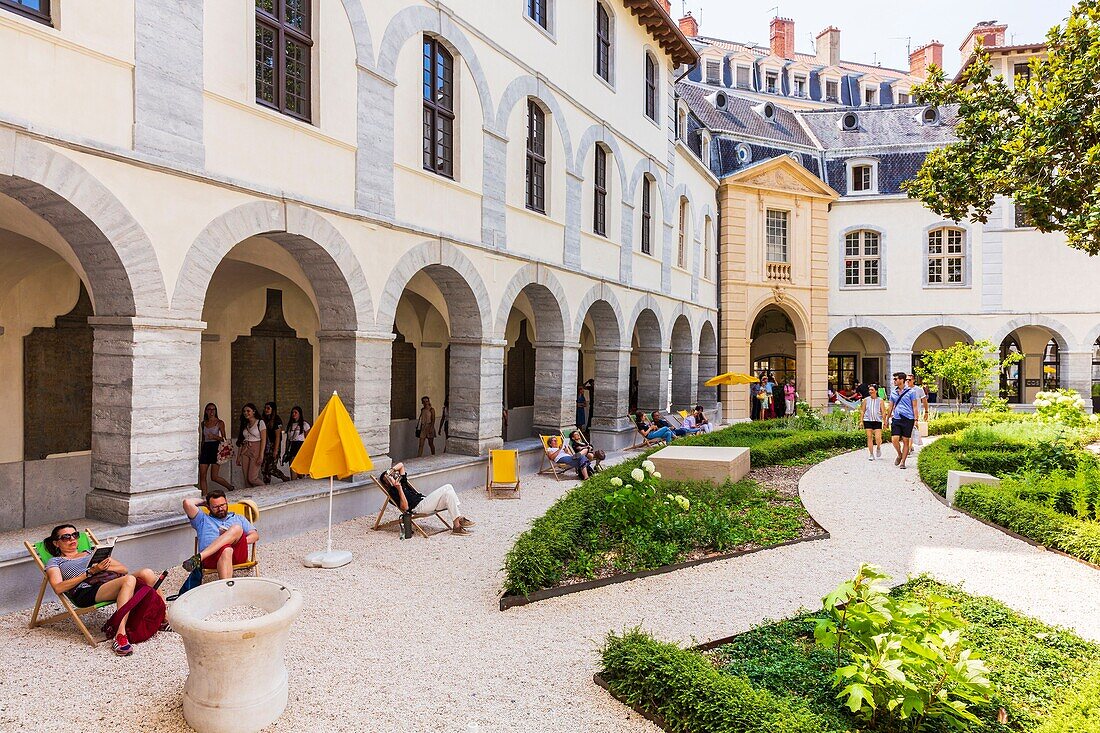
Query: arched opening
(934, 339)
(1042, 367)
(773, 355)
(682, 378)
(858, 355)
(708, 367)
(603, 361)
(1011, 387)
(540, 386)
(648, 380)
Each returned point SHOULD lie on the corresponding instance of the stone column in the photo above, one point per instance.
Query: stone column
(555, 386)
(626, 250)
(652, 379)
(611, 398)
(574, 187)
(145, 399)
(707, 396)
(493, 185)
(374, 182)
(476, 395)
(1076, 374)
(356, 365)
(685, 367)
(898, 361)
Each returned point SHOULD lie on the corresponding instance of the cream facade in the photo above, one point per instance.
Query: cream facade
(171, 241)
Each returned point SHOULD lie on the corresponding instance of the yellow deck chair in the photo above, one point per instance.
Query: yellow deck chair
(250, 511)
(683, 414)
(549, 467)
(388, 502)
(38, 552)
(502, 472)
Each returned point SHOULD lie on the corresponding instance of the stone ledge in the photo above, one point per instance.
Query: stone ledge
(955, 479)
(702, 463)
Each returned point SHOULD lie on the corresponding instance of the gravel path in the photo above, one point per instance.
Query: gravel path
(409, 636)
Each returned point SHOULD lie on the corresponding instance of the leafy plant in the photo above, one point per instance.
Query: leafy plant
(1061, 406)
(899, 659)
(964, 367)
(642, 502)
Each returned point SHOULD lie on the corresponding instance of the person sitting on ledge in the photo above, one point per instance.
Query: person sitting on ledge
(224, 536)
(69, 573)
(408, 499)
(559, 455)
(650, 431)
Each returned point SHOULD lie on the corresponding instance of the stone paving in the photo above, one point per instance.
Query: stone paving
(409, 636)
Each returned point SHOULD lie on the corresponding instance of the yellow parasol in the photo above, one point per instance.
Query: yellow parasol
(731, 378)
(332, 448)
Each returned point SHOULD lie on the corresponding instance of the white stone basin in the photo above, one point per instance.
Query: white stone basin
(237, 680)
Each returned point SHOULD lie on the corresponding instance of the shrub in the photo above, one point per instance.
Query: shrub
(1079, 713)
(934, 461)
(944, 424)
(1076, 494)
(1041, 523)
(1062, 406)
(685, 690)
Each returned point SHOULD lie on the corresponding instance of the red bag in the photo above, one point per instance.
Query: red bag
(147, 612)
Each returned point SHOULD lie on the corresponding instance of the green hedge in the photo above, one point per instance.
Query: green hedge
(1080, 713)
(687, 692)
(934, 461)
(1042, 524)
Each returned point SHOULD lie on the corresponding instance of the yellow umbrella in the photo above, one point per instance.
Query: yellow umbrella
(332, 448)
(731, 378)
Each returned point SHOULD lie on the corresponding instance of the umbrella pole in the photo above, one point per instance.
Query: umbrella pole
(330, 514)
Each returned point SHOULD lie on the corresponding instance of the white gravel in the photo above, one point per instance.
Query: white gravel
(409, 637)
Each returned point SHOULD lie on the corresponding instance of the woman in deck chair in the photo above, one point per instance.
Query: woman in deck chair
(650, 431)
(408, 499)
(68, 573)
(559, 455)
(581, 447)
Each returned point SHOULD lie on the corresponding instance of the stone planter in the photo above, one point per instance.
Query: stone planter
(237, 680)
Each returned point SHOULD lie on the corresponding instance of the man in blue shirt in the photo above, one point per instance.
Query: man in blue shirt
(224, 536)
(904, 404)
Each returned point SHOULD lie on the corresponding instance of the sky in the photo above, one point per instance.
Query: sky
(882, 28)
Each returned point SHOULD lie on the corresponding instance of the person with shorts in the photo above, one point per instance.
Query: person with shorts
(903, 407)
(870, 412)
(224, 536)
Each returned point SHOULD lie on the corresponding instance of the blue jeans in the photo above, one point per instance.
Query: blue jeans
(661, 434)
(577, 461)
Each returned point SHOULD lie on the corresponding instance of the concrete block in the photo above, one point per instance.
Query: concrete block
(955, 479)
(55, 488)
(702, 463)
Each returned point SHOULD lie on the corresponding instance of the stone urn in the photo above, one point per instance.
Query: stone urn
(237, 680)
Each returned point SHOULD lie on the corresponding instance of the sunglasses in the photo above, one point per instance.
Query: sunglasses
(67, 537)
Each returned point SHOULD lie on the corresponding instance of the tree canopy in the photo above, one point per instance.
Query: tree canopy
(1037, 143)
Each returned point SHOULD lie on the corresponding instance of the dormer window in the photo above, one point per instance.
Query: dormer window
(744, 153)
(904, 98)
(832, 90)
(870, 95)
(800, 86)
(744, 77)
(862, 176)
(771, 82)
(714, 71)
(704, 147)
(767, 111)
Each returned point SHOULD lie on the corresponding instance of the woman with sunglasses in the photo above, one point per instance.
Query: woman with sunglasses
(69, 573)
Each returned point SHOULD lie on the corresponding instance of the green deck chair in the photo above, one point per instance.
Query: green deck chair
(41, 557)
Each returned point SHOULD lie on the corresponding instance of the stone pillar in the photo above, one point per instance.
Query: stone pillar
(611, 398)
(555, 387)
(356, 365)
(374, 186)
(1076, 374)
(685, 367)
(707, 396)
(476, 395)
(652, 379)
(145, 402)
(898, 361)
(815, 394)
(626, 250)
(493, 186)
(574, 187)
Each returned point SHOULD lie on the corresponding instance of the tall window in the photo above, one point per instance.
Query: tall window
(800, 86)
(946, 256)
(870, 96)
(714, 71)
(1052, 369)
(842, 371)
(1010, 375)
(650, 87)
(439, 115)
(647, 216)
(862, 178)
(603, 42)
(744, 77)
(538, 11)
(36, 9)
(536, 157)
(1096, 371)
(832, 91)
(861, 258)
(776, 236)
(708, 248)
(599, 209)
(771, 82)
(681, 250)
(283, 48)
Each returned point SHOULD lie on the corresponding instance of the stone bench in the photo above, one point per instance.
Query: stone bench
(955, 479)
(702, 463)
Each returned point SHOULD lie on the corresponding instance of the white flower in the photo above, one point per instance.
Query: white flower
(637, 474)
(656, 474)
(648, 466)
(616, 481)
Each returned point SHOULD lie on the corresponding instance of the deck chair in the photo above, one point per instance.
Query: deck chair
(683, 414)
(549, 467)
(640, 441)
(388, 502)
(502, 472)
(41, 557)
(250, 511)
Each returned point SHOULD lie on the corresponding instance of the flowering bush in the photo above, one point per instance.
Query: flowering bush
(1063, 406)
(642, 501)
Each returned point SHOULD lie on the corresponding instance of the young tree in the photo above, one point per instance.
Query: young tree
(964, 367)
(1038, 143)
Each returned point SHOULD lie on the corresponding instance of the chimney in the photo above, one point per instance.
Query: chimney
(782, 37)
(828, 46)
(989, 32)
(925, 56)
(667, 5)
(689, 26)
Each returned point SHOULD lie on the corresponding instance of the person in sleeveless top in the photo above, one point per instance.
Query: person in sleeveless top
(870, 412)
(251, 440)
(211, 433)
(425, 426)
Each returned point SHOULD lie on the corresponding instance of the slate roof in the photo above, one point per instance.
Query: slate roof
(880, 127)
(765, 50)
(739, 118)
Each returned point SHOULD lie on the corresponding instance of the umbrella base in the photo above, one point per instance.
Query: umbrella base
(330, 559)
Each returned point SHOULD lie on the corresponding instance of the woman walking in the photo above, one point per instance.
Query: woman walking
(790, 396)
(211, 433)
(425, 426)
(870, 412)
(274, 425)
(251, 441)
(296, 431)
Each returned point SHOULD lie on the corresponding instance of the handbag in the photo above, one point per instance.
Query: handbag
(418, 431)
(100, 578)
(225, 451)
(146, 611)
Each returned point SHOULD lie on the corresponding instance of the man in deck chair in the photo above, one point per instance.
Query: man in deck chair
(396, 483)
(224, 536)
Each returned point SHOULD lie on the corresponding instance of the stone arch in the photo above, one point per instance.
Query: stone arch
(451, 269)
(643, 166)
(652, 328)
(799, 318)
(602, 293)
(1057, 330)
(600, 134)
(1090, 340)
(708, 364)
(422, 19)
(682, 345)
(958, 324)
(340, 287)
(552, 298)
(650, 356)
(870, 324)
(360, 33)
(525, 87)
(118, 259)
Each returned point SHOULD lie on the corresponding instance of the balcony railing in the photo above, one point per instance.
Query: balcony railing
(780, 271)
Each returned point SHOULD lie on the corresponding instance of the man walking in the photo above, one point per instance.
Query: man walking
(904, 404)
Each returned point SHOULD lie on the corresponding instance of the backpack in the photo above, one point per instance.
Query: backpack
(147, 612)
